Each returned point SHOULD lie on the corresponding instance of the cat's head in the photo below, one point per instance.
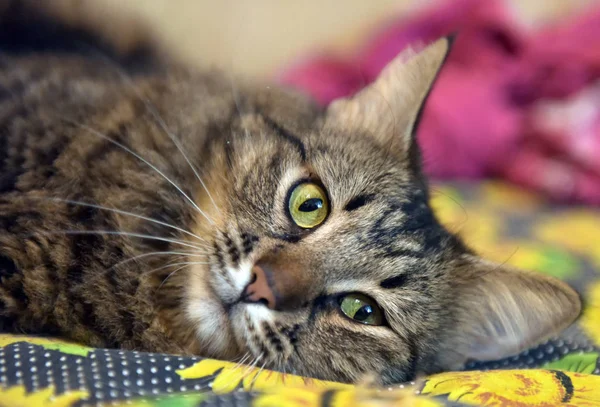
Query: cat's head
(326, 259)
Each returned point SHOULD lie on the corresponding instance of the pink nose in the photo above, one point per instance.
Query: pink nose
(259, 289)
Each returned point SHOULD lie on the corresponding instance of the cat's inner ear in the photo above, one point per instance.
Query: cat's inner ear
(501, 311)
(390, 107)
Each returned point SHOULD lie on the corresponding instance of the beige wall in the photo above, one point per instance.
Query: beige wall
(257, 36)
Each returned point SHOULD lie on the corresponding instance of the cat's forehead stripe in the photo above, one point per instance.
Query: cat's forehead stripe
(287, 136)
(394, 282)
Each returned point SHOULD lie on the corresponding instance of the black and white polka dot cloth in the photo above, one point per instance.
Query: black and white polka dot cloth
(550, 351)
(109, 376)
(106, 375)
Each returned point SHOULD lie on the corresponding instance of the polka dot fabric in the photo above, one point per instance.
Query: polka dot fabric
(107, 375)
(549, 352)
(493, 218)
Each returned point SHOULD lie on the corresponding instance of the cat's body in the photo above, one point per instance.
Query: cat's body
(151, 209)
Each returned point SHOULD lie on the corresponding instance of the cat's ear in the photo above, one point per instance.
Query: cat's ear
(501, 311)
(389, 108)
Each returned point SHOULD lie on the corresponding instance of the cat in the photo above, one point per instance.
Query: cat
(146, 205)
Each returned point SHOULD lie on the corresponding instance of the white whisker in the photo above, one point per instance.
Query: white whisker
(283, 372)
(170, 274)
(172, 264)
(141, 256)
(146, 271)
(116, 233)
(250, 367)
(152, 109)
(233, 370)
(247, 356)
(246, 370)
(256, 375)
(178, 145)
(183, 264)
(119, 211)
(133, 153)
(253, 365)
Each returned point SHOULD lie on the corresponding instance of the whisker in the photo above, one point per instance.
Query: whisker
(283, 373)
(116, 233)
(233, 370)
(241, 359)
(147, 271)
(133, 153)
(466, 215)
(251, 366)
(172, 264)
(122, 212)
(152, 109)
(245, 359)
(262, 368)
(158, 254)
(170, 274)
(233, 374)
(99, 134)
(162, 124)
(185, 263)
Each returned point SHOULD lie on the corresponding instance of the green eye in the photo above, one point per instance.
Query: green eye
(361, 309)
(308, 205)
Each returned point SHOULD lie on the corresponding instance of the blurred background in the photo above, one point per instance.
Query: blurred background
(257, 37)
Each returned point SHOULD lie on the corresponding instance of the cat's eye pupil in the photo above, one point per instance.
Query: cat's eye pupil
(311, 205)
(363, 313)
(308, 205)
(361, 308)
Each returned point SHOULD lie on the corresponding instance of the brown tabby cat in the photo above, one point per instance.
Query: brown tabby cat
(165, 210)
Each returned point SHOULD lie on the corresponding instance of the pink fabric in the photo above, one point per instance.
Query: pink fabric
(509, 103)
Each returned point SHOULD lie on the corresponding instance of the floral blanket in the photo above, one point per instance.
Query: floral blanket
(502, 223)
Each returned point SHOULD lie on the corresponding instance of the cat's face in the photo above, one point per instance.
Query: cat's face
(327, 260)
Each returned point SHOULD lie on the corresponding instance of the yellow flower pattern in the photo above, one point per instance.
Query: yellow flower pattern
(48, 343)
(358, 397)
(229, 376)
(16, 396)
(518, 388)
